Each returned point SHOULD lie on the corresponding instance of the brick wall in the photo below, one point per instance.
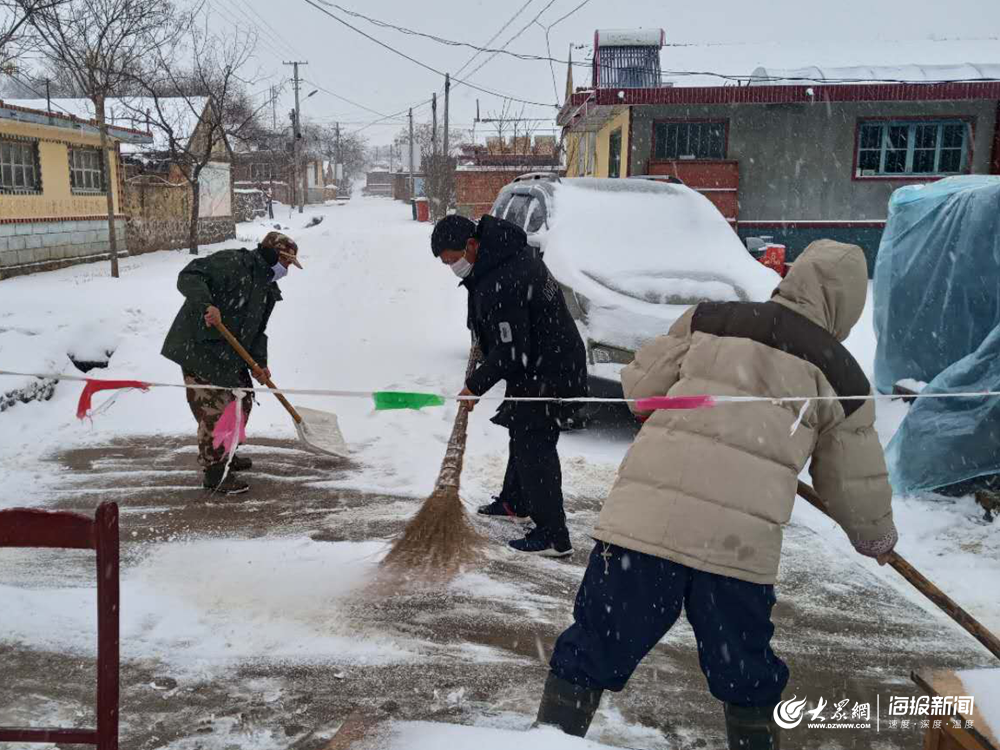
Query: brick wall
(30, 246)
(475, 190)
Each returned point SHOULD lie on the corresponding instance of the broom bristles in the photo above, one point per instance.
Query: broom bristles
(440, 539)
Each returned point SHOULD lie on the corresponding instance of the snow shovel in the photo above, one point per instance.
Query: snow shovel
(317, 429)
(947, 605)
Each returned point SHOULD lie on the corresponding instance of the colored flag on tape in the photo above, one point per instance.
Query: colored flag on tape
(93, 386)
(674, 402)
(385, 400)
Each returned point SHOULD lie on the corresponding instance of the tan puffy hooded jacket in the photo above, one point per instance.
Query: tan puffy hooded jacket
(712, 488)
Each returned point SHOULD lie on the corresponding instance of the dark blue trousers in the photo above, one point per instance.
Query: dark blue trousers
(627, 603)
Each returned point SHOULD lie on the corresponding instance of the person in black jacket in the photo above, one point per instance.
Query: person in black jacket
(529, 339)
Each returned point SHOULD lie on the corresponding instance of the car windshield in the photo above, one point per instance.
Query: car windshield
(517, 209)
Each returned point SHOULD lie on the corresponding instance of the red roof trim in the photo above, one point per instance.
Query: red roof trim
(887, 92)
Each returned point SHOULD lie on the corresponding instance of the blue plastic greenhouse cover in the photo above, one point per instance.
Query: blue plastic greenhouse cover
(937, 320)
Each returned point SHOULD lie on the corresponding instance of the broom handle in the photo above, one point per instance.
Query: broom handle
(948, 605)
(254, 367)
(454, 457)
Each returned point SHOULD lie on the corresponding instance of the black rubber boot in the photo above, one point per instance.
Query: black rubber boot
(239, 463)
(229, 486)
(751, 728)
(569, 707)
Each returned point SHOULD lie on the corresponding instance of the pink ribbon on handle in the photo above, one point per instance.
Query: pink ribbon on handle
(655, 403)
(227, 432)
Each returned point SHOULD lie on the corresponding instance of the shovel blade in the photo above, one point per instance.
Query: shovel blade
(320, 431)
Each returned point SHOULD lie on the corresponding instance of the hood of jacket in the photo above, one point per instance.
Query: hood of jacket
(828, 284)
(499, 241)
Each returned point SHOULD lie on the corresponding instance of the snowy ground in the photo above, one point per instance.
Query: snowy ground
(254, 624)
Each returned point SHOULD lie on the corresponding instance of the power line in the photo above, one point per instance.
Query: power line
(495, 36)
(517, 35)
(415, 61)
(226, 14)
(563, 18)
(288, 45)
(344, 99)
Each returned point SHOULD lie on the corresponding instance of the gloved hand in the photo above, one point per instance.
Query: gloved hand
(880, 548)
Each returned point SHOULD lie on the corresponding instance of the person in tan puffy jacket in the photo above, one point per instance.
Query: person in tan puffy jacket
(695, 517)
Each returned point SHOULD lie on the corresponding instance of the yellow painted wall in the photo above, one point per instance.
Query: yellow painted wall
(604, 144)
(578, 140)
(56, 199)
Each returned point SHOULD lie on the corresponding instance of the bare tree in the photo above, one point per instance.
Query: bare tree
(100, 44)
(200, 110)
(520, 131)
(16, 35)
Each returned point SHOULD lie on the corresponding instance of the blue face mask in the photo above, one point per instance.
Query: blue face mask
(278, 272)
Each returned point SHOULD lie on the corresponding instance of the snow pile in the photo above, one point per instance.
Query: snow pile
(216, 602)
(638, 253)
(22, 350)
(984, 686)
(417, 735)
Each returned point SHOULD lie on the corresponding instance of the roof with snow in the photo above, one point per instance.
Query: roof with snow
(38, 116)
(765, 72)
(858, 74)
(180, 113)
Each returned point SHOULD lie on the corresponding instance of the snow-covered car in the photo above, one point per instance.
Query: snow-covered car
(631, 256)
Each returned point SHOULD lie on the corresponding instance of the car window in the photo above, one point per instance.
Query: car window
(536, 216)
(501, 205)
(517, 210)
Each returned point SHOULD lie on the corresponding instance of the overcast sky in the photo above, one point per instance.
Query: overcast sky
(737, 35)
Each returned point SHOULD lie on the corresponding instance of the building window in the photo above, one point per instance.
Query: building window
(260, 172)
(615, 154)
(19, 167)
(913, 147)
(86, 170)
(689, 140)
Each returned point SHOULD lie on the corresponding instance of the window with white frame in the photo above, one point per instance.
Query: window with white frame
(913, 147)
(19, 166)
(86, 172)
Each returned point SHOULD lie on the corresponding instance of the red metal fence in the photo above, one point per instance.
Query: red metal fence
(60, 530)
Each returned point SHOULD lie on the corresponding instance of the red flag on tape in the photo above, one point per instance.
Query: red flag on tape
(93, 386)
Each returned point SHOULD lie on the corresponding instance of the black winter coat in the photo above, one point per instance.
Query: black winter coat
(524, 328)
(238, 282)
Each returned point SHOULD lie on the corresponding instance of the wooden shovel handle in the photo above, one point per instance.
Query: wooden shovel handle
(234, 342)
(949, 606)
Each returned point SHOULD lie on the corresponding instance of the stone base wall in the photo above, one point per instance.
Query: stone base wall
(150, 235)
(31, 246)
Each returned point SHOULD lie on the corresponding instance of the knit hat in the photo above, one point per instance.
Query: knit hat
(451, 233)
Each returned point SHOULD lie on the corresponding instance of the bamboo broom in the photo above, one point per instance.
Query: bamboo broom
(440, 539)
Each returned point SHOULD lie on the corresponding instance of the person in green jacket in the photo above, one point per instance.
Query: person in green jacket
(238, 288)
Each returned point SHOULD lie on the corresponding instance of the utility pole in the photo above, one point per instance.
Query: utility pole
(412, 196)
(434, 124)
(274, 109)
(447, 92)
(297, 135)
(338, 169)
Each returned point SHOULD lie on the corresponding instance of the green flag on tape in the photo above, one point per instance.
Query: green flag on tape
(401, 400)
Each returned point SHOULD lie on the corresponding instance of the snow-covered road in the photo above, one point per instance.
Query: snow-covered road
(269, 593)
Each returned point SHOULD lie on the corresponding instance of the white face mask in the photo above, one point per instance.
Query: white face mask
(279, 272)
(461, 268)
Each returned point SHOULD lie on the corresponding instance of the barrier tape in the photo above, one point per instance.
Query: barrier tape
(407, 400)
